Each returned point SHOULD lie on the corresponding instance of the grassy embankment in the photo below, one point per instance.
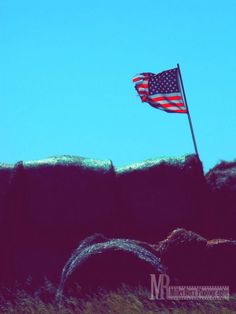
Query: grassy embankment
(125, 300)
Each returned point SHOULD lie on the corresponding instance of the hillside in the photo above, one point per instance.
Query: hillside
(48, 207)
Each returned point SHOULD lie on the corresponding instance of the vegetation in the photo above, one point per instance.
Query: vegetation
(124, 300)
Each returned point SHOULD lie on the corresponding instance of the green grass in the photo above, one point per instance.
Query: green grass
(122, 301)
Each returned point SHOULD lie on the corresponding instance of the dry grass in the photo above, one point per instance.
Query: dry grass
(124, 300)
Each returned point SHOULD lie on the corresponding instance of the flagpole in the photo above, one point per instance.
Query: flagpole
(189, 117)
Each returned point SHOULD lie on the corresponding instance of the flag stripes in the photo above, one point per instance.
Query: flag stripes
(161, 90)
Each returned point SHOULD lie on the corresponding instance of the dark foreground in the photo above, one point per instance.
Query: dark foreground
(79, 221)
(48, 207)
(122, 301)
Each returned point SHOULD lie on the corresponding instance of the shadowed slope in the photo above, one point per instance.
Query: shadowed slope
(108, 263)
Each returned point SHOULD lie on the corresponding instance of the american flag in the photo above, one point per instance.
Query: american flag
(161, 90)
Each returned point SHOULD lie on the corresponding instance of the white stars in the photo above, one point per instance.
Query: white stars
(158, 85)
(163, 83)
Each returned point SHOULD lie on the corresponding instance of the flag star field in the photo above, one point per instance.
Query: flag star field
(165, 82)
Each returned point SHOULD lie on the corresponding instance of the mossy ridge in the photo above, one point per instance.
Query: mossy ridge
(153, 162)
(68, 160)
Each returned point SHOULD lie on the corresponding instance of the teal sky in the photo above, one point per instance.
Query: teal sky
(66, 71)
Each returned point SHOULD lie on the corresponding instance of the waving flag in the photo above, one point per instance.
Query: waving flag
(161, 90)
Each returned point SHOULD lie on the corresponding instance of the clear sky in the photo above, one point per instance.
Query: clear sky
(66, 71)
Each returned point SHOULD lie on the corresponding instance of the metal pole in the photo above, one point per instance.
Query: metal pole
(189, 117)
